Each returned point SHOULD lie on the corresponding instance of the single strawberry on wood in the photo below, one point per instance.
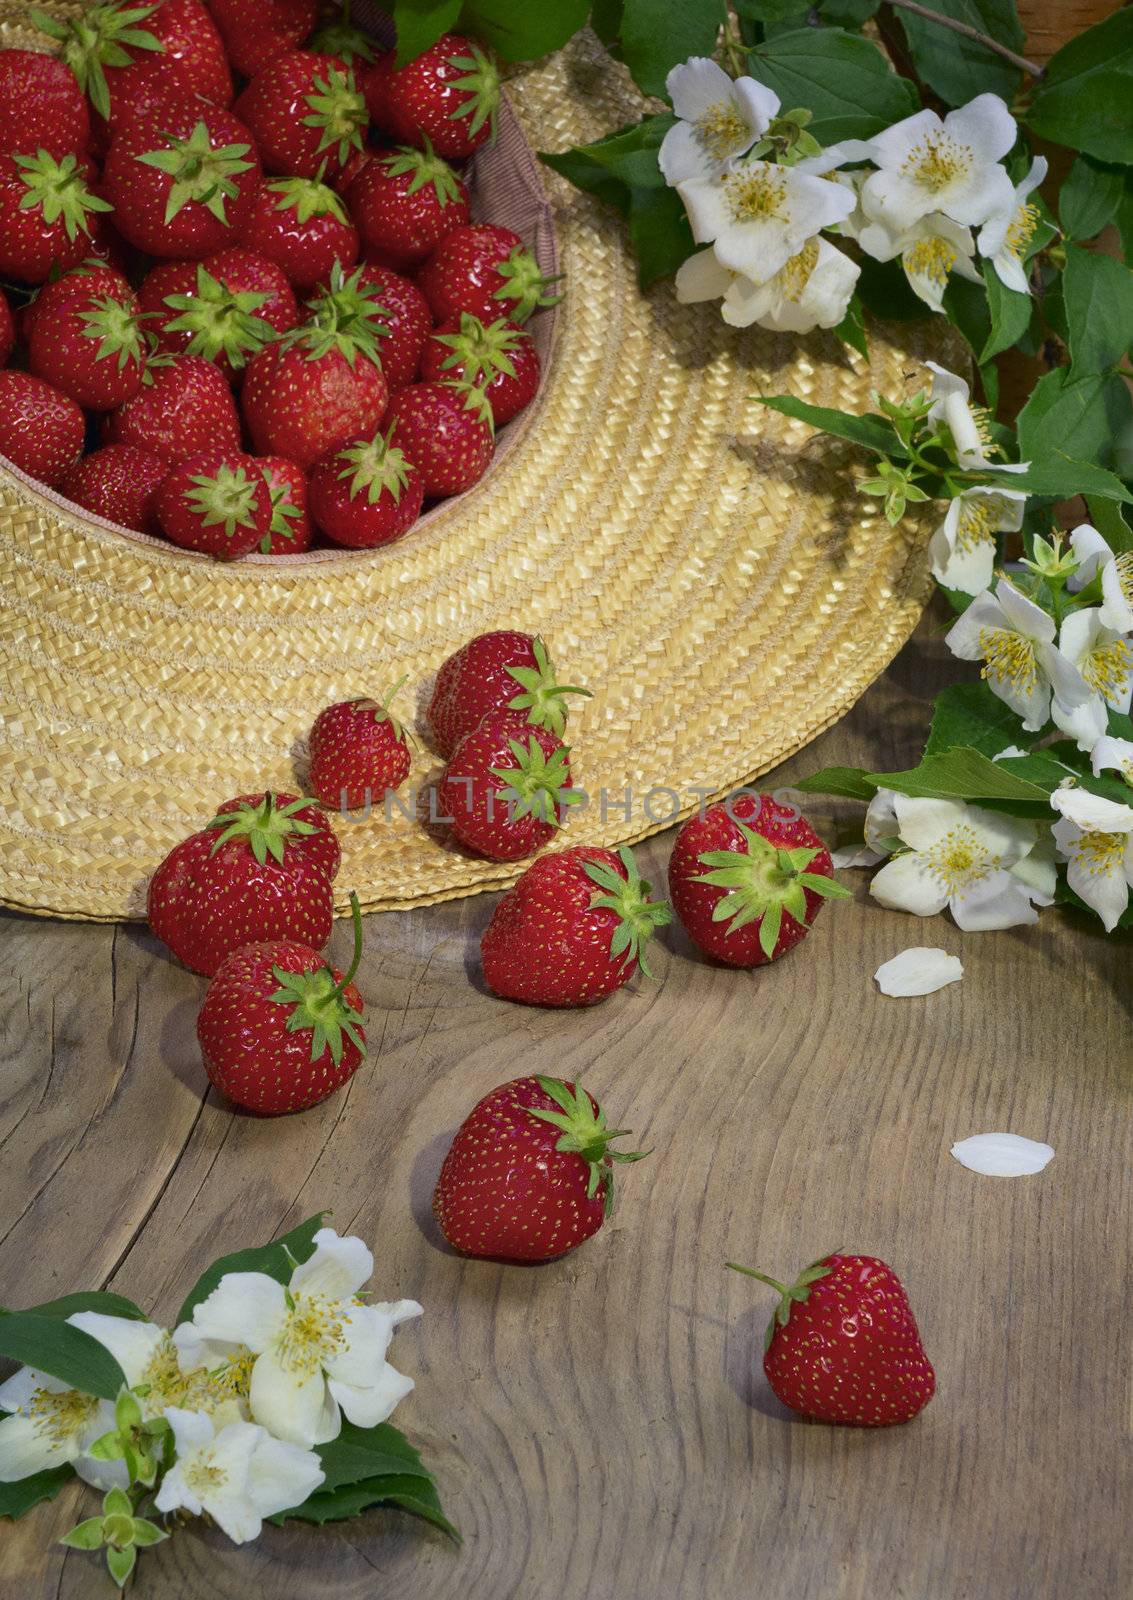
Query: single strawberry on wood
(118, 482)
(365, 493)
(217, 503)
(506, 788)
(358, 752)
(530, 1173)
(843, 1344)
(497, 671)
(447, 430)
(184, 406)
(41, 429)
(449, 95)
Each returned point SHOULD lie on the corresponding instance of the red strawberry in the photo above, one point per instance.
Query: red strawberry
(41, 105)
(339, 37)
(307, 114)
(447, 430)
(747, 879)
(255, 31)
(359, 751)
(487, 271)
(504, 670)
(88, 280)
(354, 165)
(217, 502)
(291, 530)
(530, 1173)
(302, 226)
(843, 1345)
(321, 384)
(185, 406)
(572, 930)
(7, 329)
(365, 493)
(49, 216)
(41, 430)
(143, 89)
(506, 787)
(403, 204)
(118, 482)
(195, 313)
(280, 1028)
(89, 345)
(500, 358)
(402, 309)
(182, 180)
(261, 869)
(449, 94)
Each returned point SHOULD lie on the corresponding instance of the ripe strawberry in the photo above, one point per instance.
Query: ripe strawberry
(449, 94)
(255, 31)
(41, 105)
(339, 37)
(89, 345)
(7, 329)
(447, 430)
(498, 671)
(500, 358)
(194, 313)
(185, 405)
(506, 787)
(404, 203)
(301, 225)
(768, 874)
(261, 869)
(486, 271)
(530, 1172)
(118, 482)
(182, 180)
(319, 385)
(49, 215)
(365, 493)
(280, 1028)
(307, 114)
(217, 502)
(572, 930)
(402, 310)
(355, 162)
(359, 750)
(41, 429)
(291, 530)
(143, 89)
(843, 1345)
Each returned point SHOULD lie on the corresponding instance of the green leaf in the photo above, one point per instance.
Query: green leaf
(957, 68)
(358, 1453)
(1010, 315)
(1083, 99)
(1107, 518)
(966, 307)
(657, 34)
(524, 32)
(67, 1353)
(843, 78)
(852, 783)
(110, 1305)
(969, 714)
(20, 1496)
(770, 10)
(1084, 417)
(1090, 197)
(870, 431)
(606, 20)
(659, 233)
(1061, 477)
(847, 13)
(277, 1260)
(962, 773)
(418, 24)
(851, 329)
(884, 290)
(1098, 296)
(630, 154)
(416, 1495)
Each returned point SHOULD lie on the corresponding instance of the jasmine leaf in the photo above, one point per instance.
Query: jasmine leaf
(1098, 295)
(959, 68)
(272, 1259)
(964, 773)
(870, 431)
(18, 1497)
(851, 783)
(884, 290)
(1083, 99)
(418, 24)
(110, 1305)
(359, 1453)
(416, 1495)
(659, 233)
(1107, 518)
(523, 32)
(1079, 417)
(843, 78)
(1061, 477)
(969, 714)
(657, 34)
(1010, 314)
(1090, 197)
(851, 329)
(67, 1353)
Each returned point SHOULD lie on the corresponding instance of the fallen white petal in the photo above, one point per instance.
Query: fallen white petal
(855, 855)
(1002, 1155)
(918, 970)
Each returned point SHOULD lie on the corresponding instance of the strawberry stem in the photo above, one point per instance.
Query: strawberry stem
(764, 884)
(356, 919)
(542, 697)
(266, 826)
(797, 1293)
(318, 1003)
(628, 898)
(585, 1134)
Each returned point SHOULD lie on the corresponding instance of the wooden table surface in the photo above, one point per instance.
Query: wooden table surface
(600, 1427)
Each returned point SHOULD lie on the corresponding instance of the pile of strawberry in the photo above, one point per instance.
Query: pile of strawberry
(263, 311)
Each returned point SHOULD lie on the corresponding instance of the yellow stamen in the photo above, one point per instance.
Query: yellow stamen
(721, 130)
(60, 1416)
(314, 1332)
(1019, 233)
(958, 859)
(1124, 565)
(1107, 667)
(1100, 854)
(795, 276)
(203, 1476)
(1009, 657)
(937, 161)
(756, 193)
(979, 518)
(931, 258)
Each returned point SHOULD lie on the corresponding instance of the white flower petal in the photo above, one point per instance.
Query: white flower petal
(399, 1311)
(1010, 272)
(702, 277)
(1114, 754)
(759, 104)
(880, 828)
(1105, 890)
(1093, 813)
(696, 85)
(132, 1344)
(1117, 606)
(191, 1429)
(919, 970)
(244, 1308)
(1023, 615)
(361, 1359)
(281, 1475)
(922, 823)
(1085, 722)
(998, 900)
(292, 1406)
(1002, 1155)
(26, 1448)
(338, 1268)
(16, 1391)
(1092, 552)
(373, 1404)
(985, 124)
(968, 568)
(855, 856)
(905, 884)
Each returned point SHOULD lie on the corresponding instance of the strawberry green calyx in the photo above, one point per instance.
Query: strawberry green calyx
(226, 497)
(97, 39)
(283, 512)
(796, 1295)
(480, 352)
(536, 786)
(338, 110)
(474, 400)
(307, 197)
(382, 713)
(221, 321)
(117, 329)
(628, 898)
(424, 166)
(342, 39)
(480, 81)
(374, 468)
(585, 1134)
(345, 316)
(58, 189)
(318, 1003)
(200, 174)
(525, 287)
(764, 882)
(266, 827)
(542, 697)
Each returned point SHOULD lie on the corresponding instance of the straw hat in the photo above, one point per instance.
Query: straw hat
(711, 575)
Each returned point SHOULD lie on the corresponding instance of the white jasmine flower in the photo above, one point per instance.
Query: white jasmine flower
(812, 291)
(51, 1424)
(1115, 755)
(760, 214)
(320, 1350)
(959, 856)
(927, 165)
(963, 547)
(1095, 555)
(1006, 234)
(951, 405)
(719, 119)
(1105, 660)
(930, 250)
(215, 1380)
(1014, 638)
(237, 1475)
(1095, 836)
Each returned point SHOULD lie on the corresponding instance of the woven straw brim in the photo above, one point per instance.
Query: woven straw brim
(705, 566)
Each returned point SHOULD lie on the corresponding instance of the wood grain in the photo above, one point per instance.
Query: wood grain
(600, 1427)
